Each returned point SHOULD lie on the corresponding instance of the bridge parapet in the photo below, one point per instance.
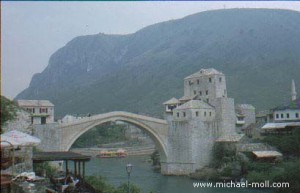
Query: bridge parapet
(115, 114)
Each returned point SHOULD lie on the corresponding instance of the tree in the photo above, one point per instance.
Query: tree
(8, 110)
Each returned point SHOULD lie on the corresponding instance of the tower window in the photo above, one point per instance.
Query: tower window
(209, 79)
(177, 114)
(197, 113)
(210, 114)
(206, 92)
(200, 92)
(220, 79)
(204, 113)
(207, 100)
(195, 92)
(183, 114)
(198, 81)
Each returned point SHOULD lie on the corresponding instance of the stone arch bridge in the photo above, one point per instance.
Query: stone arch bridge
(176, 142)
(157, 129)
(61, 136)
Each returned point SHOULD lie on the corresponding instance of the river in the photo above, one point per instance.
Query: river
(113, 169)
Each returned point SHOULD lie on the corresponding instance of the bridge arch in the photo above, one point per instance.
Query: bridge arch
(85, 125)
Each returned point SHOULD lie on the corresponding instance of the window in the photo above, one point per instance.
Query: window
(220, 79)
(287, 115)
(171, 107)
(281, 115)
(197, 113)
(206, 92)
(198, 81)
(195, 92)
(297, 115)
(207, 100)
(200, 92)
(177, 114)
(204, 113)
(30, 110)
(183, 114)
(277, 116)
(210, 114)
(43, 110)
(209, 79)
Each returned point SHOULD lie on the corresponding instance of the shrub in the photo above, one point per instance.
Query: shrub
(99, 183)
(124, 189)
(44, 167)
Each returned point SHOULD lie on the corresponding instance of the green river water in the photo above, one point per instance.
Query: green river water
(113, 169)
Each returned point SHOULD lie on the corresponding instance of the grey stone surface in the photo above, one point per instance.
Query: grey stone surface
(50, 135)
(20, 123)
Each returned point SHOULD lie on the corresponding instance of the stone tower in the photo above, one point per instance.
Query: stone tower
(293, 93)
(197, 120)
(207, 84)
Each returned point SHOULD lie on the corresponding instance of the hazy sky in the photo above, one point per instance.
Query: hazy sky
(33, 31)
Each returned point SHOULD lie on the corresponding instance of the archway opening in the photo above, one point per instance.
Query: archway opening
(135, 137)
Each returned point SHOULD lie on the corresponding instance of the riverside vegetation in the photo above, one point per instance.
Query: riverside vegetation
(8, 110)
(100, 184)
(229, 165)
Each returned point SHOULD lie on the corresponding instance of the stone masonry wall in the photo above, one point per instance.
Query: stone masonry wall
(50, 135)
(190, 145)
(20, 123)
(225, 115)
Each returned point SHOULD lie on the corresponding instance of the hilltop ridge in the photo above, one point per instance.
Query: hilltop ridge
(257, 49)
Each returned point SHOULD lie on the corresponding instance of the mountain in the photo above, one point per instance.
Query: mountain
(257, 49)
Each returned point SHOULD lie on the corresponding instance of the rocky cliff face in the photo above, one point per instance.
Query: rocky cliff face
(258, 50)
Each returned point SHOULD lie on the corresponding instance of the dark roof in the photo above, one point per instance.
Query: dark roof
(59, 156)
(295, 104)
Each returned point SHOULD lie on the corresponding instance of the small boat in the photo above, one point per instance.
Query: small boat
(113, 154)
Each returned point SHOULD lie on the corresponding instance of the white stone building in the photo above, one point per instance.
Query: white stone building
(70, 119)
(41, 111)
(286, 117)
(290, 112)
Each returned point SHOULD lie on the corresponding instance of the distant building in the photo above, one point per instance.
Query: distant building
(41, 111)
(289, 112)
(70, 119)
(285, 117)
(245, 116)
